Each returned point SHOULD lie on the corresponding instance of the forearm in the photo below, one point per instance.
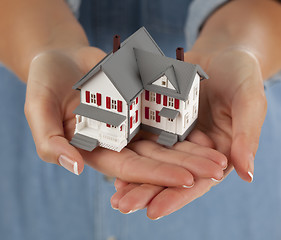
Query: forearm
(250, 24)
(32, 26)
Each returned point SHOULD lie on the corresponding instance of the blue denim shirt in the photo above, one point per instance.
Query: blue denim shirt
(44, 201)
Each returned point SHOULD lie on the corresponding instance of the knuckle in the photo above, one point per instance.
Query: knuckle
(42, 151)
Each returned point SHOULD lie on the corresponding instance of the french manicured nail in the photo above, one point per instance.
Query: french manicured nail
(68, 164)
(157, 218)
(251, 167)
(132, 211)
(251, 176)
(216, 180)
(186, 186)
(115, 208)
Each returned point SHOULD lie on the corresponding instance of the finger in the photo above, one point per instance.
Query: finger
(119, 194)
(131, 167)
(249, 110)
(172, 199)
(200, 138)
(138, 198)
(198, 166)
(204, 152)
(45, 121)
(120, 184)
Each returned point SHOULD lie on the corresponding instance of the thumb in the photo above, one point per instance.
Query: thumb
(45, 122)
(248, 111)
(45, 114)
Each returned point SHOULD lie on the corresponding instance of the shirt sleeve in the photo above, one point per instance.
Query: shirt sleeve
(74, 6)
(199, 11)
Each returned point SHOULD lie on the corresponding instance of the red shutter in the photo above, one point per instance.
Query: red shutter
(146, 113)
(137, 115)
(131, 106)
(87, 96)
(137, 100)
(177, 103)
(131, 122)
(108, 101)
(157, 116)
(119, 106)
(146, 95)
(165, 100)
(108, 125)
(158, 98)
(98, 99)
(120, 128)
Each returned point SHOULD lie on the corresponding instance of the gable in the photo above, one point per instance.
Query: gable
(100, 83)
(164, 82)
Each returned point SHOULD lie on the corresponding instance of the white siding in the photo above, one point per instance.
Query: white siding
(136, 107)
(100, 83)
(193, 103)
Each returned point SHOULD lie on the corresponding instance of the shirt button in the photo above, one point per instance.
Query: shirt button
(109, 178)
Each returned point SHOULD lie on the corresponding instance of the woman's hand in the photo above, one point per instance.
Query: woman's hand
(50, 102)
(231, 113)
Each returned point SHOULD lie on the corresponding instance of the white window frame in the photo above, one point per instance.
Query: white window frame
(93, 98)
(113, 104)
(171, 101)
(152, 115)
(186, 104)
(152, 97)
(186, 120)
(195, 92)
(194, 112)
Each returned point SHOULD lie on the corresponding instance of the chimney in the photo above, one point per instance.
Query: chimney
(116, 43)
(180, 54)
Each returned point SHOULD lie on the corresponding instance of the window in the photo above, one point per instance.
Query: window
(152, 96)
(152, 115)
(164, 81)
(195, 92)
(186, 104)
(171, 102)
(194, 111)
(93, 98)
(114, 104)
(186, 120)
(170, 119)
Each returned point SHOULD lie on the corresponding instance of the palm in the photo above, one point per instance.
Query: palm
(49, 90)
(235, 82)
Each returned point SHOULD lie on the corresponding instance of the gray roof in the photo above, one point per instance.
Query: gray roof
(99, 114)
(180, 74)
(121, 67)
(169, 113)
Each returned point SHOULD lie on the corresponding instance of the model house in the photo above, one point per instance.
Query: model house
(133, 87)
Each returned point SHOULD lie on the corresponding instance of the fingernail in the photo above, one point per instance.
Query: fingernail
(132, 211)
(251, 167)
(251, 176)
(114, 208)
(68, 164)
(216, 180)
(185, 186)
(157, 218)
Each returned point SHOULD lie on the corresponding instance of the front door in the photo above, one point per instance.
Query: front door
(171, 125)
(93, 123)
